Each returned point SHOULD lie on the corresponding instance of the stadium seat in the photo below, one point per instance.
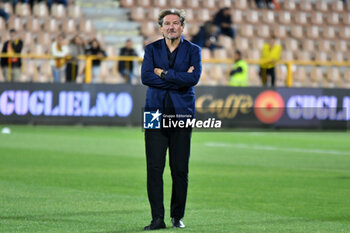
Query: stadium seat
(209, 4)
(203, 15)
(58, 11)
(247, 31)
(194, 4)
(189, 15)
(44, 38)
(317, 77)
(85, 26)
(324, 45)
(253, 54)
(40, 10)
(346, 18)
(144, 3)
(321, 6)
(206, 53)
(301, 18)
(312, 32)
(237, 16)
(333, 77)
(228, 3)
(253, 76)
(226, 42)
(74, 11)
(280, 31)
(303, 55)
(51, 25)
(268, 17)
(153, 13)
(15, 23)
(333, 18)
(220, 53)
(321, 56)
(289, 5)
(2, 24)
(148, 28)
(328, 32)
(23, 9)
(137, 13)
(257, 43)
(176, 3)
(337, 56)
(252, 17)
(33, 24)
(263, 31)
(308, 45)
(241, 43)
(306, 5)
(291, 44)
(337, 6)
(344, 32)
(218, 74)
(340, 45)
(69, 26)
(299, 77)
(27, 38)
(238, 4)
(160, 3)
(297, 32)
(284, 17)
(317, 18)
(127, 3)
(287, 55)
(7, 7)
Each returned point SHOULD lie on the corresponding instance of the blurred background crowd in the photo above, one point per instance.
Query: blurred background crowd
(244, 42)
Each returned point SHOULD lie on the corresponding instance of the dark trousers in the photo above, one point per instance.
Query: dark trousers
(72, 71)
(267, 72)
(157, 142)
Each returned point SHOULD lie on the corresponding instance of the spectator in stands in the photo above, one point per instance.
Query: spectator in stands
(126, 68)
(95, 49)
(239, 73)
(267, 4)
(223, 20)
(270, 55)
(11, 66)
(60, 51)
(50, 2)
(76, 48)
(207, 36)
(4, 15)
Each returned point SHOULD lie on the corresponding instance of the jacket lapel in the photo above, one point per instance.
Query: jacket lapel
(180, 55)
(164, 55)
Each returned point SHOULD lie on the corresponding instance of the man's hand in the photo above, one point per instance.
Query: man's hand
(190, 70)
(158, 71)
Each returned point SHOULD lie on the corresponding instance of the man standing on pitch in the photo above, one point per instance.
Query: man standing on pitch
(171, 67)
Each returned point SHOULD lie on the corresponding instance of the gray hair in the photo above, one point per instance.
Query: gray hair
(180, 13)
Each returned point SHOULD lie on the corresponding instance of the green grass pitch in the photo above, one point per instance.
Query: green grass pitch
(93, 179)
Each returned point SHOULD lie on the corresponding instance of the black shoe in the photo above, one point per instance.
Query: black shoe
(155, 225)
(177, 223)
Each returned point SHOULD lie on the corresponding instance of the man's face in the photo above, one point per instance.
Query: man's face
(13, 36)
(172, 28)
(129, 44)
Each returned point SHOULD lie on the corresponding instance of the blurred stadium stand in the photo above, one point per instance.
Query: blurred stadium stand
(309, 31)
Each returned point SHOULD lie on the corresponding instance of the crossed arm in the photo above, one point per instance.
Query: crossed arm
(151, 76)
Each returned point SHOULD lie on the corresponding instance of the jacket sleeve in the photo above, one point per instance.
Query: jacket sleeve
(148, 77)
(186, 79)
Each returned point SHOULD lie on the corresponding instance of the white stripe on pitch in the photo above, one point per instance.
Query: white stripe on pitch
(274, 148)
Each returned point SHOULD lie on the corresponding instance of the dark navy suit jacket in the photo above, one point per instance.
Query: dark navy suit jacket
(178, 82)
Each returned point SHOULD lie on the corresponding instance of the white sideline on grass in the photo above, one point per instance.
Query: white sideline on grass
(274, 148)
